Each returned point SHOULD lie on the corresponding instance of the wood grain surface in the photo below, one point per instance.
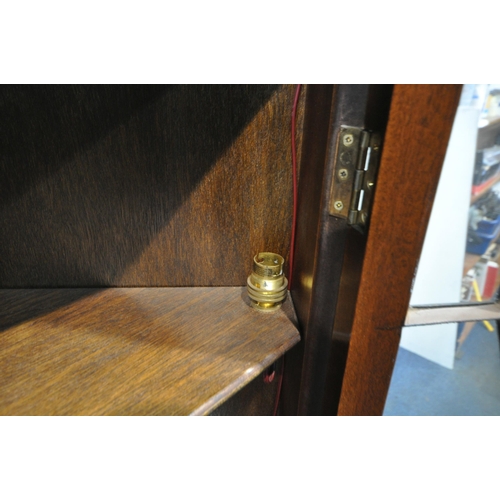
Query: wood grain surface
(329, 253)
(143, 185)
(420, 122)
(314, 146)
(133, 351)
(256, 399)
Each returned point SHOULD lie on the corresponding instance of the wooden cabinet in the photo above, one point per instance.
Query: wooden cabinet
(130, 216)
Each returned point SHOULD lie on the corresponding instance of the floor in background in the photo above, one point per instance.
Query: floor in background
(421, 387)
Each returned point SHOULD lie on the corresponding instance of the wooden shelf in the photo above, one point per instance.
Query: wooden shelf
(133, 351)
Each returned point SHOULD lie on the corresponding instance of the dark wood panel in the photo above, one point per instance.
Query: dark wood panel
(315, 142)
(420, 122)
(318, 102)
(375, 119)
(256, 399)
(123, 185)
(321, 269)
(133, 351)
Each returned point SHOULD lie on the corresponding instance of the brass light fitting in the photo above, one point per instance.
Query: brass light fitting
(267, 284)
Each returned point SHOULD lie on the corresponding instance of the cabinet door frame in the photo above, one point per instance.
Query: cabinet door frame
(419, 127)
(328, 252)
(352, 289)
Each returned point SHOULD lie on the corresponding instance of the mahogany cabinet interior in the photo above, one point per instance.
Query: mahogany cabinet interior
(113, 187)
(118, 186)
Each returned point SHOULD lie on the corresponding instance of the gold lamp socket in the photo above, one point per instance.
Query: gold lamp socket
(267, 284)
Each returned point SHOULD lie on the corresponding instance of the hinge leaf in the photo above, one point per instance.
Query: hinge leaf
(353, 180)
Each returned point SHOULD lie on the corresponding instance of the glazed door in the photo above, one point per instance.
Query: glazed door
(454, 269)
(352, 281)
(417, 134)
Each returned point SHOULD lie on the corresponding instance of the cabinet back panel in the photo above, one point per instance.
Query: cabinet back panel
(125, 185)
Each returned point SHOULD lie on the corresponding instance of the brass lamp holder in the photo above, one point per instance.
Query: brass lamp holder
(267, 284)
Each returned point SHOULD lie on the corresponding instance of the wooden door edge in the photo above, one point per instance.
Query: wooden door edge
(420, 123)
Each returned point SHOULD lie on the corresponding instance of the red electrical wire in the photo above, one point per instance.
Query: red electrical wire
(280, 383)
(295, 188)
(294, 224)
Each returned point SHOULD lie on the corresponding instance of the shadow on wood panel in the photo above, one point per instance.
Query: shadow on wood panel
(90, 177)
(19, 306)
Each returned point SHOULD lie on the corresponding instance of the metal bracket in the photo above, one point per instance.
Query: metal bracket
(353, 181)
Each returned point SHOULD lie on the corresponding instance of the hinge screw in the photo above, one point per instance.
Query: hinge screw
(339, 205)
(343, 174)
(348, 139)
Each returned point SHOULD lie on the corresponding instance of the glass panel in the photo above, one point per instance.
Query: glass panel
(454, 368)
(464, 210)
(481, 277)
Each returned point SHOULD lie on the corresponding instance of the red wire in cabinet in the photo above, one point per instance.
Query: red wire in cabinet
(294, 224)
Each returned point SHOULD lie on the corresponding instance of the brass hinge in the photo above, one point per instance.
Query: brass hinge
(354, 175)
